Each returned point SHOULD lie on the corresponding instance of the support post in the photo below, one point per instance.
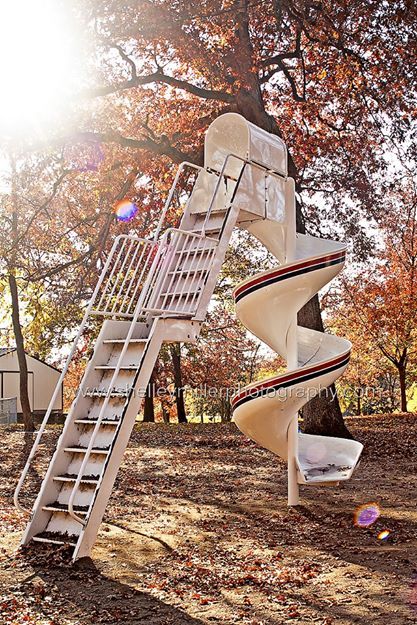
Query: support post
(292, 350)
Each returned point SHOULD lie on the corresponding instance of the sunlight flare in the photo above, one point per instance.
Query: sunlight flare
(39, 64)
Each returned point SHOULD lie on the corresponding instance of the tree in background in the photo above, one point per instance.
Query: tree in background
(52, 245)
(223, 359)
(381, 305)
(369, 384)
(335, 80)
(318, 74)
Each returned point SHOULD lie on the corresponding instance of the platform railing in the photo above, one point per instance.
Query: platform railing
(131, 261)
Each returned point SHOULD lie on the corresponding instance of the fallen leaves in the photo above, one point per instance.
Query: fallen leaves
(221, 546)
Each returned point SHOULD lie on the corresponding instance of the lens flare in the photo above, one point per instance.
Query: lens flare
(383, 535)
(125, 210)
(366, 514)
(85, 156)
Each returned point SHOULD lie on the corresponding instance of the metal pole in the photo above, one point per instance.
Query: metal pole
(292, 348)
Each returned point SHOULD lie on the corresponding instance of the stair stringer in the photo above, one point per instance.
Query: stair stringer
(58, 463)
(163, 330)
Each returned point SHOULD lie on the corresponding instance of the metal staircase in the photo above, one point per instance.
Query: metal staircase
(150, 292)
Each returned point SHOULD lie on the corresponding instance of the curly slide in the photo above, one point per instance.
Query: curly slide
(267, 304)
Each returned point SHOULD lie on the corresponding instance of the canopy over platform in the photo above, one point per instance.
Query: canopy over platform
(232, 133)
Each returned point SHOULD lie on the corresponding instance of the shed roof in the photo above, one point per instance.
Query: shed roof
(8, 350)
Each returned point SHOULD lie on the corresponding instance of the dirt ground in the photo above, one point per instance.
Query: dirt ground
(198, 531)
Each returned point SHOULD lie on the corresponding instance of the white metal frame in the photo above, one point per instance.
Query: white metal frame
(162, 248)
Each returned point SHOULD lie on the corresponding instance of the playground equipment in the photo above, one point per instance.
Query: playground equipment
(155, 291)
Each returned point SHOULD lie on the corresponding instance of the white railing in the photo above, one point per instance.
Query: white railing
(174, 190)
(130, 262)
(141, 282)
(165, 277)
(58, 386)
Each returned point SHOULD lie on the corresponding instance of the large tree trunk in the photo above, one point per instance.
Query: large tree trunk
(148, 407)
(21, 356)
(322, 414)
(403, 387)
(179, 389)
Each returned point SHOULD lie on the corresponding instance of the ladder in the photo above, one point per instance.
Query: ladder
(149, 292)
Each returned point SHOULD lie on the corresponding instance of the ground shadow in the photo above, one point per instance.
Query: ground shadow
(84, 594)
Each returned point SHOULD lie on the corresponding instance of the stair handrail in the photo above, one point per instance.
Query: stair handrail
(168, 201)
(221, 174)
(87, 313)
(54, 397)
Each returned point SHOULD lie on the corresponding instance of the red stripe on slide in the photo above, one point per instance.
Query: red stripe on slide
(291, 376)
(288, 269)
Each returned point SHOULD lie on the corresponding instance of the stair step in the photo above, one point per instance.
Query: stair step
(181, 293)
(94, 421)
(214, 211)
(104, 393)
(113, 367)
(73, 478)
(209, 229)
(188, 272)
(63, 507)
(196, 250)
(82, 450)
(55, 539)
(107, 341)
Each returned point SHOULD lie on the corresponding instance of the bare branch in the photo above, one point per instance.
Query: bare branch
(161, 145)
(284, 69)
(127, 59)
(282, 56)
(160, 77)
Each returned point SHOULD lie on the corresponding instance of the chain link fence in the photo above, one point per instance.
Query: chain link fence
(8, 410)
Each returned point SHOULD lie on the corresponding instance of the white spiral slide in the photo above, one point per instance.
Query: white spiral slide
(267, 304)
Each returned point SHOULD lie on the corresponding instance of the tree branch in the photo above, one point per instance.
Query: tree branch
(127, 59)
(294, 54)
(160, 77)
(160, 146)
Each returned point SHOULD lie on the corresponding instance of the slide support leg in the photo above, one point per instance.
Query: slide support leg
(293, 488)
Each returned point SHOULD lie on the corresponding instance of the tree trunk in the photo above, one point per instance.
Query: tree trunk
(322, 414)
(165, 412)
(226, 415)
(403, 387)
(179, 389)
(21, 357)
(148, 408)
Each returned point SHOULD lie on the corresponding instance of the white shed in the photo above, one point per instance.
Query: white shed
(41, 383)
